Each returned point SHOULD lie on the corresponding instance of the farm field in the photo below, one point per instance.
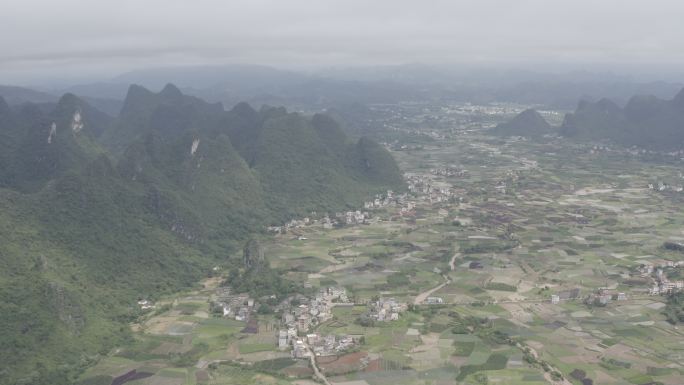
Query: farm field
(518, 224)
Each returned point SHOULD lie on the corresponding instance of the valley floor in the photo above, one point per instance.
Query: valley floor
(492, 258)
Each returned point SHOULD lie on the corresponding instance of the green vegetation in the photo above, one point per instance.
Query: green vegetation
(253, 348)
(528, 123)
(97, 380)
(101, 212)
(230, 374)
(190, 357)
(464, 348)
(258, 279)
(398, 280)
(500, 286)
(571, 217)
(486, 247)
(494, 362)
(674, 311)
(273, 366)
(612, 363)
(261, 282)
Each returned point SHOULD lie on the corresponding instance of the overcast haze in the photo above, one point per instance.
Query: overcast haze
(75, 39)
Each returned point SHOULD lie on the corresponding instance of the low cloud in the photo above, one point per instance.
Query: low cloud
(98, 38)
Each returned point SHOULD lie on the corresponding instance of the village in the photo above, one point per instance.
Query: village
(658, 272)
(300, 316)
(490, 263)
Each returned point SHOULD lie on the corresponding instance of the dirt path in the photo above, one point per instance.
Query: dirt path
(317, 372)
(452, 263)
(420, 298)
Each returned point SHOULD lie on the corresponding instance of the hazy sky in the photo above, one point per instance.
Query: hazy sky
(79, 38)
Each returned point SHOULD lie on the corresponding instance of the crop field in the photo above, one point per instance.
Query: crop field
(525, 220)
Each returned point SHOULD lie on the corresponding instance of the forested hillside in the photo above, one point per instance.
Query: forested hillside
(645, 121)
(96, 212)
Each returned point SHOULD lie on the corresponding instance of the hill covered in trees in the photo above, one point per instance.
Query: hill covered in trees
(528, 123)
(96, 212)
(645, 121)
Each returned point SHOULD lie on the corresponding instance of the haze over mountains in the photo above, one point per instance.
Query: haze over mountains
(323, 88)
(645, 121)
(344, 191)
(97, 211)
(122, 192)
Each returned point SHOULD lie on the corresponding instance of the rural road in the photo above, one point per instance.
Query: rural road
(317, 372)
(420, 298)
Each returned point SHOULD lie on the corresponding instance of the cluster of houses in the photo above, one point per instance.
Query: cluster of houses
(406, 206)
(310, 311)
(489, 109)
(420, 186)
(661, 186)
(424, 188)
(145, 304)
(389, 199)
(345, 218)
(633, 151)
(663, 285)
(235, 306)
(385, 309)
(565, 295)
(386, 200)
(603, 296)
(291, 225)
(449, 172)
(320, 346)
(597, 148)
(299, 319)
(434, 300)
(408, 209)
(353, 217)
(656, 270)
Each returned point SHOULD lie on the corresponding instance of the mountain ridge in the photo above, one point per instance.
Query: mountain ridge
(98, 211)
(645, 121)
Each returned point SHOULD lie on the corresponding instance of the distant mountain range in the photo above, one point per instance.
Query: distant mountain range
(97, 211)
(322, 89)
(645, 121)
(19, 95)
